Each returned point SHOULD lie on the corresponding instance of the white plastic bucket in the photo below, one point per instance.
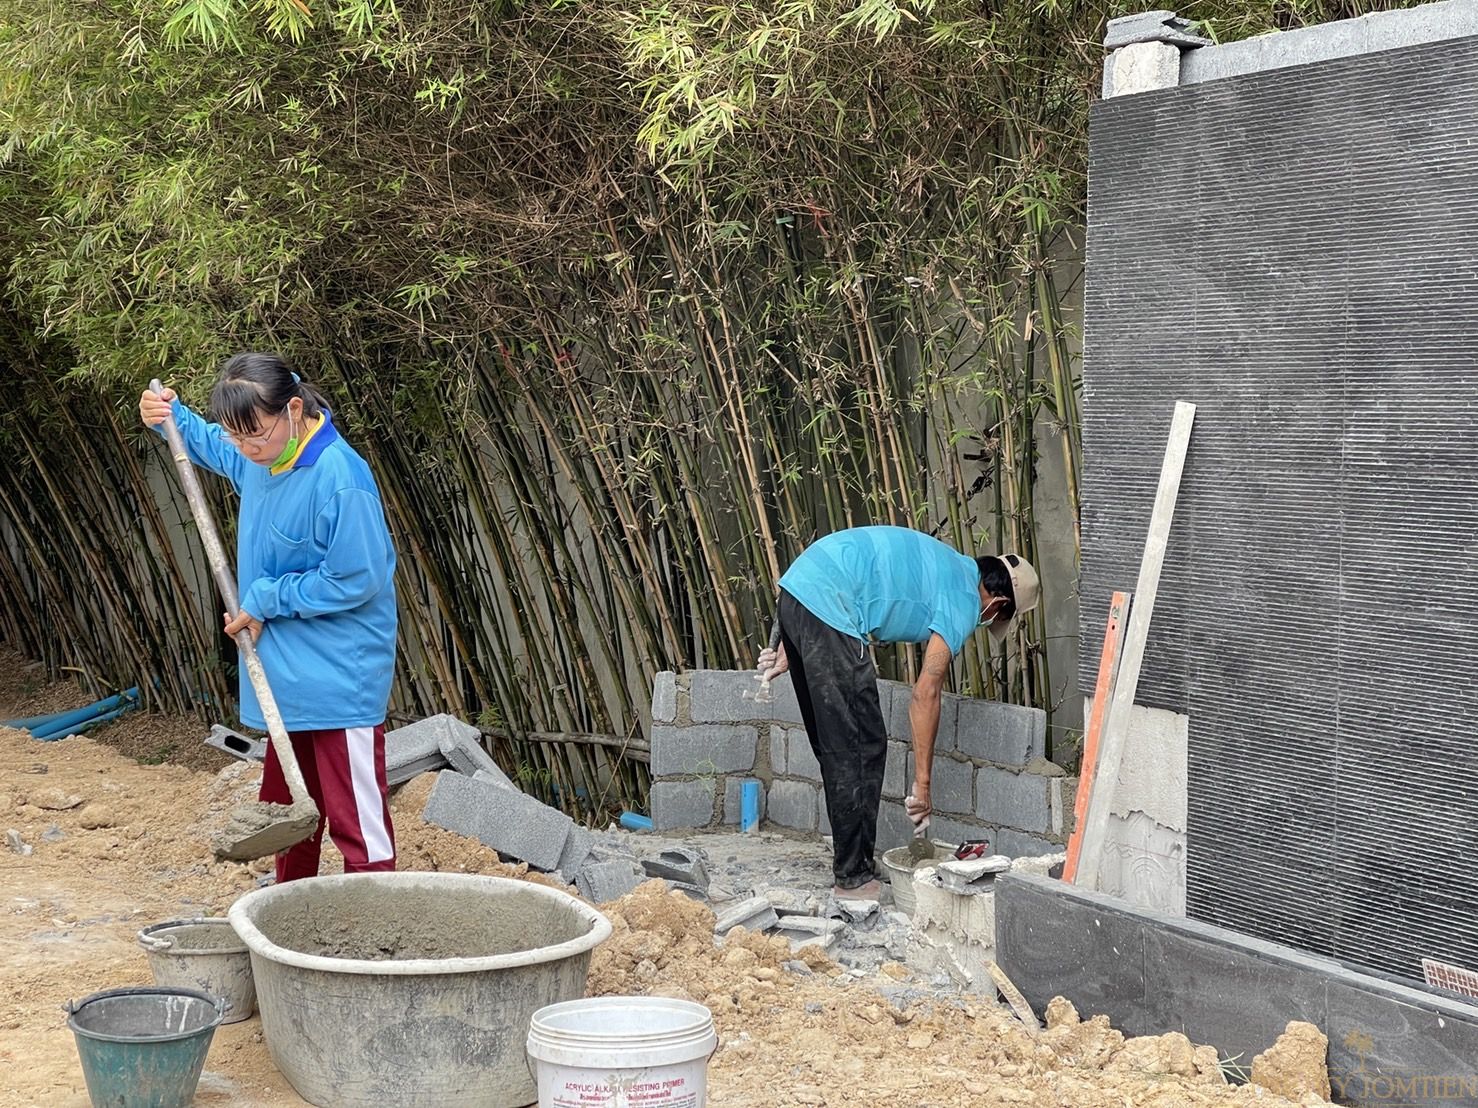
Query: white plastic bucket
(622, 1052)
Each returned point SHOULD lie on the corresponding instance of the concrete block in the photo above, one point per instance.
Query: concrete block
(678, 863)
(1006, 734)
(677, 804)
(414, 749)
(754, 914)
(602, 882)
(576, 852)
(1061, 793)
(238, 746)
(900, 729)
(793, 804)
(777, 751)
(515, 825)
(823, 817)
(971, 874)
(953, 786)
(702, 750)
(1144, 67)
(689, 890)
(859, 915)
(1012, 799)
(897, 772)
(664, 697)
(733, 800)
(462, 747)
(728, 696)
(800, 759)
(1018, 844)
(813, 925)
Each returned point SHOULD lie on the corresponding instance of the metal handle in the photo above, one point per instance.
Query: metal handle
(226, 582)
(157, 946)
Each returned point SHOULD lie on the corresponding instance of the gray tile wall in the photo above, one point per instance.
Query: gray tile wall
(1296, 251)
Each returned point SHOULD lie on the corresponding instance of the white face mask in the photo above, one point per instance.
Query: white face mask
(990, 611)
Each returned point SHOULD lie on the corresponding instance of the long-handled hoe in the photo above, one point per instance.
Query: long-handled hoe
(259, 829)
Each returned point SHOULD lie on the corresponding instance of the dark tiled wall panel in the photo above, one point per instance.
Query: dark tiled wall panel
(1296, 251)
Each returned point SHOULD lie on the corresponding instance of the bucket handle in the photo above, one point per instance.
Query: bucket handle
(153, 945)
(222, 1005)
(161, 946)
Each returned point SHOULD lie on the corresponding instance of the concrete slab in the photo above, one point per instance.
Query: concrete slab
(754, 914)
(515, 825)
(602, 882)
(1150, 973)
(576, 852)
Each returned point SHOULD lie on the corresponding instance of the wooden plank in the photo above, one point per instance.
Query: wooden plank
(1103, 689)
(1112, 741)
(1008, 989)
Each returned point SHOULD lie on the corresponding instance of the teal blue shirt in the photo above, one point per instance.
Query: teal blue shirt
(889, 584)
(314, 561)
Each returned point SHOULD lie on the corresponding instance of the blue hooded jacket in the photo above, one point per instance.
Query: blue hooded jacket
(315, 564)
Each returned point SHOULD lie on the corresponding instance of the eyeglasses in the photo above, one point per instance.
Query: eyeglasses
(257, 440)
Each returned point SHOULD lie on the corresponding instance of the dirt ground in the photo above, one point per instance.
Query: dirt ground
(118, 844)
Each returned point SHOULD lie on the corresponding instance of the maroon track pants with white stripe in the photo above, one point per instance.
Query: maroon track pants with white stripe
(345, 774)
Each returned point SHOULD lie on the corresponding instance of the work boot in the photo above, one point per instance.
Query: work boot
(870, 891)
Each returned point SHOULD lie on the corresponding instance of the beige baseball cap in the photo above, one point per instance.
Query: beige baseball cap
(1026, 588)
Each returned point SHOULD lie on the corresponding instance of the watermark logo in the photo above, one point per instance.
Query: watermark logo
(1377, 1089)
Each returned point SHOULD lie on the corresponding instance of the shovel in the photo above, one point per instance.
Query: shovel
(254, 830)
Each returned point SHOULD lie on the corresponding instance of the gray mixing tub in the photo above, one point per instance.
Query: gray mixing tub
(411, 989)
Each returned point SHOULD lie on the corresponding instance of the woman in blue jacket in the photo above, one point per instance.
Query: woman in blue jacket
(315, 569)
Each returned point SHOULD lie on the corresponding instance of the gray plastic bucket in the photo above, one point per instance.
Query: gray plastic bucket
(144, 1047)
(206, 954)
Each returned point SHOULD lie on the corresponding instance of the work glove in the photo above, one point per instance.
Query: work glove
(772, 663)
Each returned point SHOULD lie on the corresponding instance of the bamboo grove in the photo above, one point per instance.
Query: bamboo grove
(623, 303)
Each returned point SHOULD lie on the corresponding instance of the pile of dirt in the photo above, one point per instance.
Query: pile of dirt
(1296, 1066)
(116, 845)
(801, 1030)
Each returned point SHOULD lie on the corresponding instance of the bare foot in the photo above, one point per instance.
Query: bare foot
(871, 891)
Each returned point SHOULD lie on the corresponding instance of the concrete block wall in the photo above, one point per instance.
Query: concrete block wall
(990, 778)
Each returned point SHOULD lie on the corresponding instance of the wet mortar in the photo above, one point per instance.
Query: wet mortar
(386, 924)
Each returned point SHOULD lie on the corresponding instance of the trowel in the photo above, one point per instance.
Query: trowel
(920, 849)
(260, 829)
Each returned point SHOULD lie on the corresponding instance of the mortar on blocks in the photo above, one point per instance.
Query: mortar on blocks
(411, 989)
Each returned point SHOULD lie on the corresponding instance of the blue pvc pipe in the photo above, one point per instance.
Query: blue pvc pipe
(77, 728)
(72, 715)
(634, 822)
(749, 805)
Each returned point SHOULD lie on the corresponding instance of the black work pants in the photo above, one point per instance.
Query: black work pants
(836, 686)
